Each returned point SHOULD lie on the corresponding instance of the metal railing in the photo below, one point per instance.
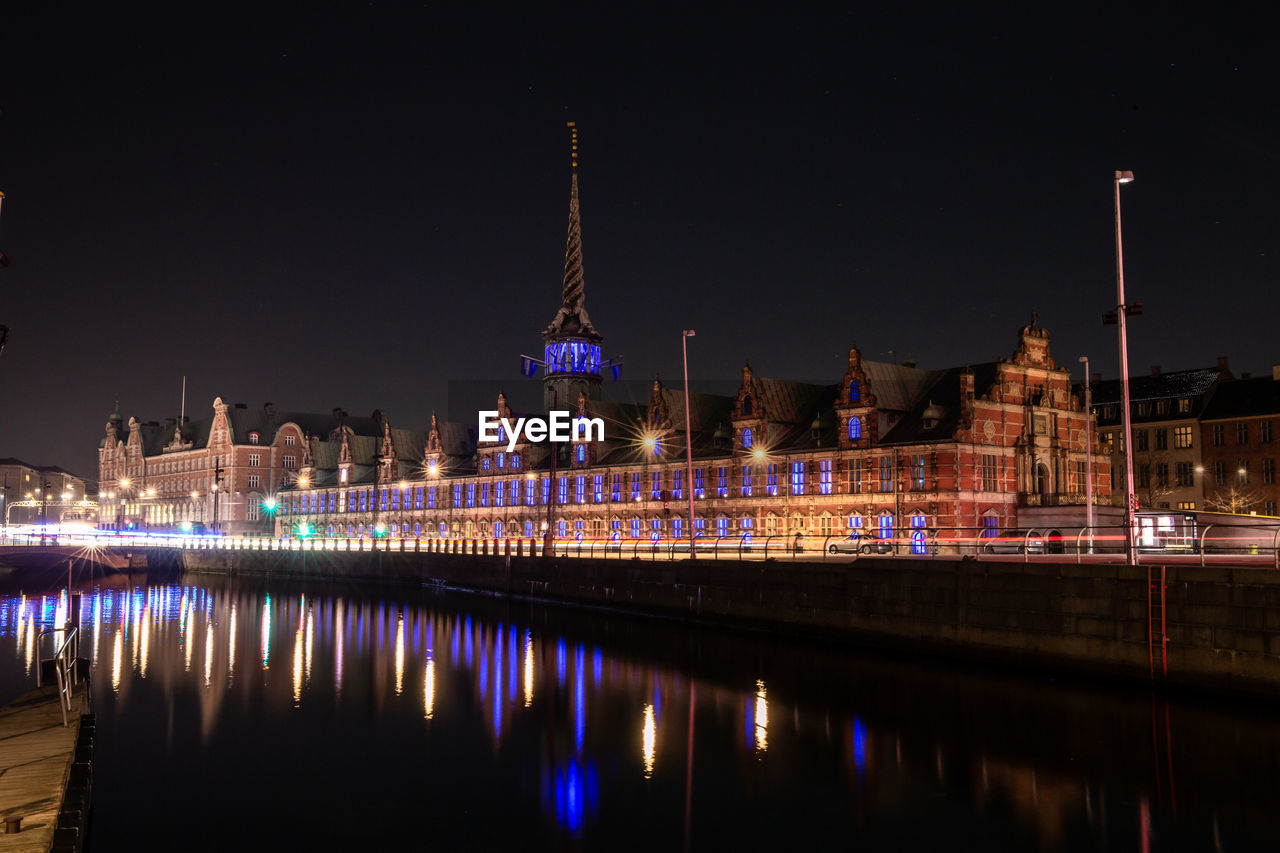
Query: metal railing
(65, 667)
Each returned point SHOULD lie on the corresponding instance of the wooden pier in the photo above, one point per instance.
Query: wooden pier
(45, 771)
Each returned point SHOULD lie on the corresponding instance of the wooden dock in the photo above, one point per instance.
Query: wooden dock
(36, 757)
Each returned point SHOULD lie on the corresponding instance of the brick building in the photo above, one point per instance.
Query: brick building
(890, 447)
(1165, 411)
(159, 475)
(1238, 432)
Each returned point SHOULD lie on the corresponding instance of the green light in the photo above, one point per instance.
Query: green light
(304, 529)
(269, 504)
(381, 529)
(186, 526)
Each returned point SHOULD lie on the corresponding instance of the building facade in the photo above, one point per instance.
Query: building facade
(30, 493)
(905, 452)
(223, 471)
(1238, 432)
(1165, 413)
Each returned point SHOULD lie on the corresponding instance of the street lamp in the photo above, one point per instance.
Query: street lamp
(1088, 452)
(1122, 310)
(688, 433)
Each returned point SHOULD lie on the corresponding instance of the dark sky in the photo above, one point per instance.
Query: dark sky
(353, 207)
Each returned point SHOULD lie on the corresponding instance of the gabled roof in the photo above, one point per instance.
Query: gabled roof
(1173, 385)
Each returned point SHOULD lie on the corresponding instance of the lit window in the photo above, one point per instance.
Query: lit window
(484, 463)
(582, 453)
(253, 438)
(855, 429)
(746, 436)
(288, 440)
(502, 458)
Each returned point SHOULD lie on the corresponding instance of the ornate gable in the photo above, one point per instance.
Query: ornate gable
(749, 415)
(856, 405)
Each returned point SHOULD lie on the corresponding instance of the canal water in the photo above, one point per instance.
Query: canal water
(258, 716)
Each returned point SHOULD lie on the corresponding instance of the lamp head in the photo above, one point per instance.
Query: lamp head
(1125, 177)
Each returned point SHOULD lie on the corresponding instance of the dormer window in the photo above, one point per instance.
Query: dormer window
(288, 440)
(253, 438)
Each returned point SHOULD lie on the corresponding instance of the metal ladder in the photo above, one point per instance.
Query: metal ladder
(1157, 638)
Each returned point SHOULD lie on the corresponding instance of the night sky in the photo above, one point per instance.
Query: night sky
(353, 207)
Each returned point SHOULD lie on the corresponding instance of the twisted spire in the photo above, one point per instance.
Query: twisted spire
(572, 317)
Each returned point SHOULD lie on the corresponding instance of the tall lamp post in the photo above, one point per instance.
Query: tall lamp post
(1122, 310)
(1088, 452)
(688, 433)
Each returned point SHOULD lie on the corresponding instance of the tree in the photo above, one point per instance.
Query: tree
(1236, 498)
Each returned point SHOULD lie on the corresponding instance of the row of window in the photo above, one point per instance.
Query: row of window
(1219, 433)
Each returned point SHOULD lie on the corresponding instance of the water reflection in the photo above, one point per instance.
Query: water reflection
(549, 719)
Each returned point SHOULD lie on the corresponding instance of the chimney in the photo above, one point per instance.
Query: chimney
(1222, 363)
(1155, 370)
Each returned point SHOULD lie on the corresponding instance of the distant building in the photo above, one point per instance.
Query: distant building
(1165, 412)
(160, 474)
(1238, 431)
(886, 448)
(30, 493)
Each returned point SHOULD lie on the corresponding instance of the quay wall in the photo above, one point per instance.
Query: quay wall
(1222, 624)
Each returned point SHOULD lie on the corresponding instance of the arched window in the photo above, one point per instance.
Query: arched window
(746, 405)
(502, 458)
(855, 428)
(918, 532)
(515, 461)
(657, 447)
(746, 437)
(581, 453)
(484, 464)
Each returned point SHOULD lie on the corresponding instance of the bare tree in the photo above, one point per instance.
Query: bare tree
(1234, 498)
(1153, 483)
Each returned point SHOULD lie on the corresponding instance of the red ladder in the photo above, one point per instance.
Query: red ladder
(1156, 624)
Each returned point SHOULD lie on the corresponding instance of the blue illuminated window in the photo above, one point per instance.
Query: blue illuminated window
(560, 528)
(497, 530)
(824, 476)
(886, 526)
(530, 492)
(395, 498)
(383, 500)
(417, 498)
(431, 498)
(364, 497)
(855, 429)
(502, 458)
(546, 490)
(417, 529)
(855, 391)
(722, 482)
(771, 482)
(562, 492)
(615, 487)
(581, 453)
(484, 495)
(677, 527)
(657, 447)
(484, 463)
(457, 494)
(855, 523)
(722, 527)
(635, 528)
(580, 489)
(635, 486)
(746, 437)
(499, 493)
(917, 471)
(597, 485)
(528, 528)
(746, 481)
(515, 461)
(677, 484)
(699, 482)
(797, 478)
(656, 491)
(917, 533)
(572, 357)
(471, 494)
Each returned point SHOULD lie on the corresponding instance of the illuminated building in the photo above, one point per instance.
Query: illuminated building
(163, 475)
(905, 451)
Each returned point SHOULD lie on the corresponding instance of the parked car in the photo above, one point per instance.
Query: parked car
(861, 543)
(1013, 542)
